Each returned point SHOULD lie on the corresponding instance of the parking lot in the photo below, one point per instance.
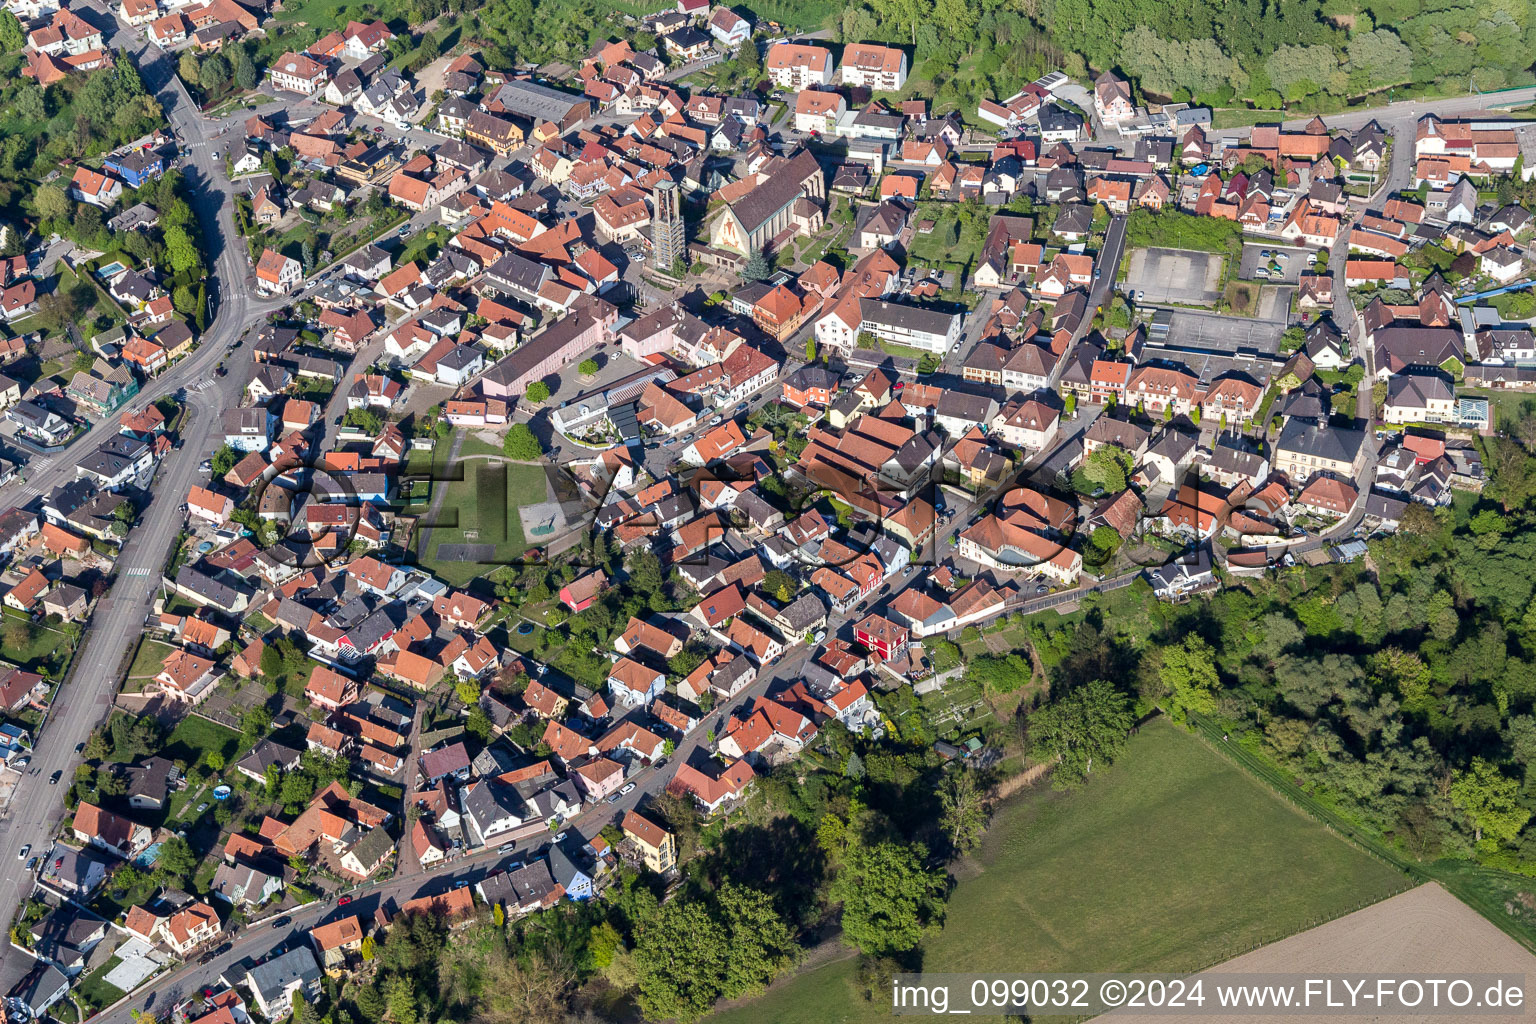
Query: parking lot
(1189, 330)
(1294, 261)
(1174, 275)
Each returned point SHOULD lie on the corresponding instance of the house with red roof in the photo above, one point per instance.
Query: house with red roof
(712, 787)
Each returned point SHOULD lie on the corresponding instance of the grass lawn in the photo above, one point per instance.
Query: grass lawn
(1242, 298)
(149, 659)
(957, 708)
(193, 737)
(38, 651)
(1239, 117)
(1504, 405)
(472, 445)
(943, 659)
(482, 509)
(890, 348)
(1172, 860)
(95, 991)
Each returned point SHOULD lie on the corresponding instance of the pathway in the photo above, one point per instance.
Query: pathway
(439, 492)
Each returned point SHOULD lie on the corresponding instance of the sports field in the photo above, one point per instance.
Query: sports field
(1171, 860)
(478, 525)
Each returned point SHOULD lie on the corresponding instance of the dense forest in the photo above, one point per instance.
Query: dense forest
(1399, 691)
(1221, 53)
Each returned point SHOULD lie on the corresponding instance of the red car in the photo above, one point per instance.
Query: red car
(344, 901)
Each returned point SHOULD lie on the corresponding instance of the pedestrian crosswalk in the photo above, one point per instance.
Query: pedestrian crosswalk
(137, 571)
(201, 385)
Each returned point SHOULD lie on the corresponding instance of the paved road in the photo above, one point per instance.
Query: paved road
(1411, 110)
(84, 700)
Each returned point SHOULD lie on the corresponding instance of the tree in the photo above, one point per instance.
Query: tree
(365, 950)
(467, 691)
(1090, 723)
(749, 60)
(224, 460)
(187, 67)
(888, 897)
(51, 202)
(99, 746)
(181, 250)
(521, 444)
(1491, 802)
(400, 1001)
(758, 267)
(587, 367)
(184, 298)
(214, 72)
(478, 723)
(530, 988)
(214, 759)
(1379, 58)
(1107, 468)
(11, 36)
(176, 861)
(256, 722)
(691, 953)
(271, 663)
(963, 811)
(365, 420)
(998, 674)
(1189, 675)
(246, 75)
(538, 391)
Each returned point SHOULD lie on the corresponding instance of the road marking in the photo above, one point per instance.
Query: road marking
(138, 571)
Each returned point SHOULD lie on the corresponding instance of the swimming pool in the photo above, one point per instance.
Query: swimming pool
(148, 857)
(111, 270)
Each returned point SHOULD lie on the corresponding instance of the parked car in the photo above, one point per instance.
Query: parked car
(626, 789)
(22, 853)
(21, 762)
(344, 901)
(560, 836)
(285, 919)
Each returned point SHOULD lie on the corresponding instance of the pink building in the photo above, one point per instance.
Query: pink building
(588, 323)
